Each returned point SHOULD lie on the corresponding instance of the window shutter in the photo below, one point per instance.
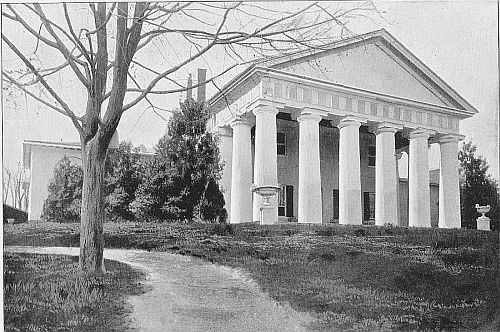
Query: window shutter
(366, 206)
(289, 201)
(335, 204)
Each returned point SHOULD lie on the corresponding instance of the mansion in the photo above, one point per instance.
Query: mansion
(326, 130)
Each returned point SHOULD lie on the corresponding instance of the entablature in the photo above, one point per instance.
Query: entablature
(289, 90)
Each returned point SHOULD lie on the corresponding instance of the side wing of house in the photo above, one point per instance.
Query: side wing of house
(39, 160)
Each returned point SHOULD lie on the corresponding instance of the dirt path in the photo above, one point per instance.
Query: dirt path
(188, 294)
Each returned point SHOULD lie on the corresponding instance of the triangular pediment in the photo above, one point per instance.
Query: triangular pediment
(374, 64)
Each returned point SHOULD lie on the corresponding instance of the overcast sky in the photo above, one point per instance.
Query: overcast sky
(457, 40)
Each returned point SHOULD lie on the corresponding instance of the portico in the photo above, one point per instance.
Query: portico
(331, 143)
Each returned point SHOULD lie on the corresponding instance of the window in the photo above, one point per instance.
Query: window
(371, 156)
(285, 201)
(281, 143)
(369, 206)
(335, 204)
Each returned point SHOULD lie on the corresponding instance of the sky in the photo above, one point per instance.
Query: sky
(457, 40)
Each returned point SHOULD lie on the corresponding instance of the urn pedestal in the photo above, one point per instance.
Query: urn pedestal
(268, 214)
(483, 222)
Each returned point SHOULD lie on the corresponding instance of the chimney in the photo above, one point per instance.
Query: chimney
(189, 94)
(202, 77)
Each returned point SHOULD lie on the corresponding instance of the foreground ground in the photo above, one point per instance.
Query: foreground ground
(357, 278)
(46, 293)
(189, 294)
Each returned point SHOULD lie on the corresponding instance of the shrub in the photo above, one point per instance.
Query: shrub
(211, 206)
(65, 193)
(182, 182)
(477, 187)
(122, 177)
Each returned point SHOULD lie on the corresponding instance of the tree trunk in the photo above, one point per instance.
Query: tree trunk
(92, 213)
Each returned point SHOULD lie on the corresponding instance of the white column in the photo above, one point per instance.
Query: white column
(386, 202)
(418, 178)
(449, 191)
(257, 203)
(226, 156)
(265, 167)
(241, 175)
(350, 209)
(310, 203)
(398, 189)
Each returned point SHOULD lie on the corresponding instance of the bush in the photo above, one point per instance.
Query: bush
(477, 187)
(181, 183)
(211, 206)
(156, 195)
(65, 193)
(122, 177)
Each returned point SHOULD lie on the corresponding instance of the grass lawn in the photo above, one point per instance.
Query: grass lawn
(46, 293)
(348, 277)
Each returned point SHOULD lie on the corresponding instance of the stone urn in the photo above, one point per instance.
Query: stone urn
(483, 222)
(267, 210)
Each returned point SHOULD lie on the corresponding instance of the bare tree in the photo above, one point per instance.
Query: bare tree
(5, 187)
(14, 184)
(104, 46)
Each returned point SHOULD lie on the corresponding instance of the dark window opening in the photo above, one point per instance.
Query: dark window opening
(281, 143)
(371, 156)
(369, 206)
(335, 204)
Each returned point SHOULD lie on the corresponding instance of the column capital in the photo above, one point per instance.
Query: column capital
(351, 121)
(448, 138)
(224, 131)
(239, 121)
(265, 109)
(387, 127)
(309, 116)
(421, 132)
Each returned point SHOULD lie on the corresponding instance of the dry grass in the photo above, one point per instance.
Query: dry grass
(47, 293)
(350, 277)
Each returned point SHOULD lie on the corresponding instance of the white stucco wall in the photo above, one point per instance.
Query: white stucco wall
(43, 162)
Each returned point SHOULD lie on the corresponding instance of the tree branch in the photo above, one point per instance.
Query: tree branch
(61, 47)
(75, 37)
(31, 94)
(63, 104)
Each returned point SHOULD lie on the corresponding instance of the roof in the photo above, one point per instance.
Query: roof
(382, 35)
(67, 145)
(62, 145)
